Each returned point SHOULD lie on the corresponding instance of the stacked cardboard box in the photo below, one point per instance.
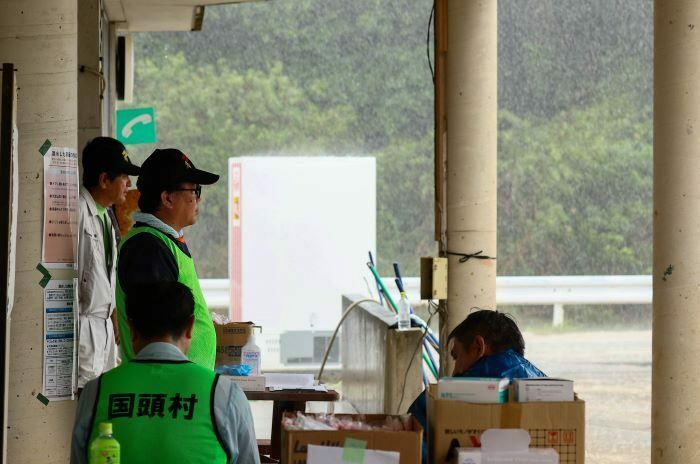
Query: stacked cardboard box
(473, 389)
(557, 425)
(543, 389)
(230, 338)
(295, 443)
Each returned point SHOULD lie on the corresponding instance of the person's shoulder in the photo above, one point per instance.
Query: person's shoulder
(230, 388)
(112, 372)
(144, 242)
(226, 382)
(516, 365)
(532, 370)
(84, 200)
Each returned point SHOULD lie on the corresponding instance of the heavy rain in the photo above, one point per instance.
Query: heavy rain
(338, 77)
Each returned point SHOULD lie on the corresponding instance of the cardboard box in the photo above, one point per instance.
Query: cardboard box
(248, 383)
(558, 425)
(507, 446)
(473, 389)
(230, 338)
(543, 389)
(295, 442)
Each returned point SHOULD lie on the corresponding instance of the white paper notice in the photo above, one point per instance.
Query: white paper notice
(59, 333)
(61, 186)
(326, 454)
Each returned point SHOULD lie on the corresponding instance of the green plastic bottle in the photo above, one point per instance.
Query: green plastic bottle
(104, 449)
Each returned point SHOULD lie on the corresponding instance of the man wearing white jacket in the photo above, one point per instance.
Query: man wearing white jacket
(106, 171)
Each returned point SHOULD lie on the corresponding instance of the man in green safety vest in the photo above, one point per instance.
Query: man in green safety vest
(155, 249)
(163, 407)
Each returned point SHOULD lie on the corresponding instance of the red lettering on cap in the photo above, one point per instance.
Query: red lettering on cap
(187, 162)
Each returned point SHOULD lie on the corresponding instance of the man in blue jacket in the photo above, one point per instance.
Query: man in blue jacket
(486, 344)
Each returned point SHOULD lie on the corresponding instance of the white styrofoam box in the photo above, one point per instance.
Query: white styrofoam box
(544, 389)
(300, 229)
(249, 382)
(473, 389)
(325, 454)
(507, 446)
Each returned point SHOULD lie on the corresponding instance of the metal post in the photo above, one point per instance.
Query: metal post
(558, 315)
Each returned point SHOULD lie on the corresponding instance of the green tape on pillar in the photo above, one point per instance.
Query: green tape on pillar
(354, 450)
(47, 276)
(45, 147)
(43, 399)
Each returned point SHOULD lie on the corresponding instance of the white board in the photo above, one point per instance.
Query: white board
(299, 232)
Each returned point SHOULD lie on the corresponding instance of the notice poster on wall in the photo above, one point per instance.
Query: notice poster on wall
(61, 187)
(59, 337)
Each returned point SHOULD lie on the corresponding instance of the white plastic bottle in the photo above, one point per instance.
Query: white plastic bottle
(250, 354)
(404, 312)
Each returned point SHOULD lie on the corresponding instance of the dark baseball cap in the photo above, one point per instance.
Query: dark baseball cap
(105, 154)
(166, 168)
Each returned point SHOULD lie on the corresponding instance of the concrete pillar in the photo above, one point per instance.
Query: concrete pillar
(471, 108)
(39, 37)
(676, 268)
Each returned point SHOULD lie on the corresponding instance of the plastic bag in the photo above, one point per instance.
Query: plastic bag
(234, 369)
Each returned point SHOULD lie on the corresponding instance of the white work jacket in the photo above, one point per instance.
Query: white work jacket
(95, 293)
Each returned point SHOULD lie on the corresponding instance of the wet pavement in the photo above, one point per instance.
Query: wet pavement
(612, 373)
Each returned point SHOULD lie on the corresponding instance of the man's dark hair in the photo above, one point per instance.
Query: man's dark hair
(91, 177)
(159, 309)
(92, 167)
(149, 201)
(499, 330)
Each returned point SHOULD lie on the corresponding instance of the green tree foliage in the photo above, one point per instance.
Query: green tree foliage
(310, 76)
(575, 192)
(556, 55)
(575, 137)
(213, 113)
(367, 54)
(407, 184)
(350, 77)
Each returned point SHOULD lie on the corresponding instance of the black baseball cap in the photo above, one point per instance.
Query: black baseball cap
(105, 154)
(166, 168)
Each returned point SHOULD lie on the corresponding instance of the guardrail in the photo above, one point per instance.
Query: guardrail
(557, 291)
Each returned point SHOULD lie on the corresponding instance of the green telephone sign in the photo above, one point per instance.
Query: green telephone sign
(136, 125)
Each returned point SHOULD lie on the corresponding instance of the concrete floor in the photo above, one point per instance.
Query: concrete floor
(612, 373)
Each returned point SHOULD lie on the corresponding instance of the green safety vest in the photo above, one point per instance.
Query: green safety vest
(203, 348)
(161, 412)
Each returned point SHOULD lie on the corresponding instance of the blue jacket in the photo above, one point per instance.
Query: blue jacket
(505, 364)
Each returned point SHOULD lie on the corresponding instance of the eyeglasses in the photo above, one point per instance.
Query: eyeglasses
(197, 191)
